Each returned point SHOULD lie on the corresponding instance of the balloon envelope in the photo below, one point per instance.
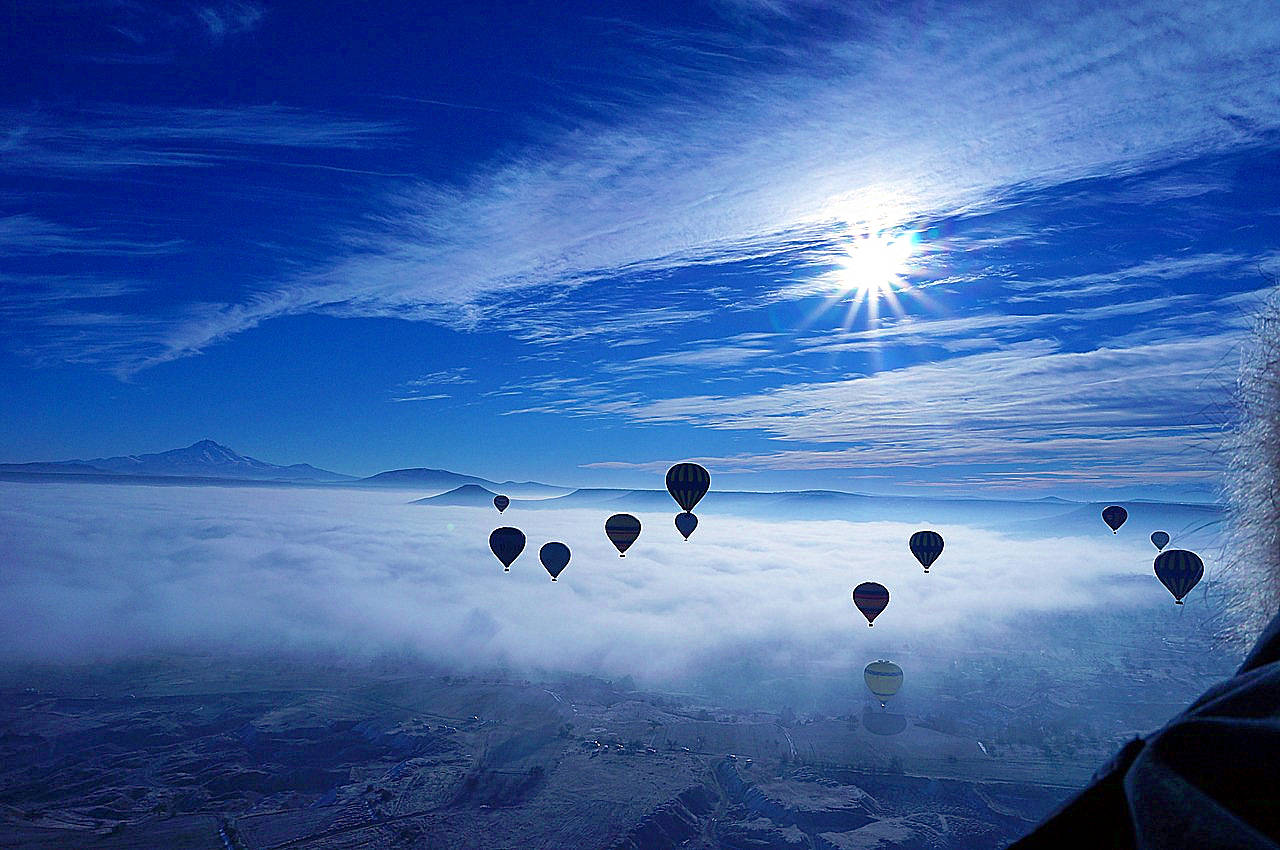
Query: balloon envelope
(507, 543)
(555, 557)
(1114, 516)
(883, 678)
(622, 530)
(1160, 539)
(687, 483)
(501, 502)
(871, 598)
(1179, 571)
(926, 546)
(686, 523)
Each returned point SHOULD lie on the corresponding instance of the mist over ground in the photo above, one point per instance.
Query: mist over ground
(747, 612)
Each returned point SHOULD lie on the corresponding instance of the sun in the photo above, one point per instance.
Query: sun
(878, 268)
(873, 268)
(874, 265)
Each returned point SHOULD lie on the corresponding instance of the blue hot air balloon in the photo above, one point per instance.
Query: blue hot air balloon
(501, 502)
(686, 523)
(926, 546)
(687, 483)
(507, 543)
(871, 598)
(555, 557)
(1114, 516)
(1179, 571)
(622, 530)
(1160, 539)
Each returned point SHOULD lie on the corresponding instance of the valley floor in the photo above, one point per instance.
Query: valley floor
(189, 753)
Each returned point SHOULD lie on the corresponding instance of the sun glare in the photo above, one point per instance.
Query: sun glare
(872, 269)
(875, 264)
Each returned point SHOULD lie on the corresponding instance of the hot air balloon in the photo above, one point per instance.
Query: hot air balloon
(687, 483)
(686, 523)
(555, 557)
(871, 598)
(884, 678)
(1114, 516)
(1160, 539)
(622, 530)
(507, 543)
(501, 502)
(926, 546)
(1180, 571)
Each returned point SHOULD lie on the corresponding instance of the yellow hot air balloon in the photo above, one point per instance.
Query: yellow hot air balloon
(884, 678)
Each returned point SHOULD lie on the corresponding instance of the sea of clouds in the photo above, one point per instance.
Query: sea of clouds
(95, 571)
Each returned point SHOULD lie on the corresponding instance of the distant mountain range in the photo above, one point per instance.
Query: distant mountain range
(205, 459)
(208, 460)
(1186, 522)
(443, 479)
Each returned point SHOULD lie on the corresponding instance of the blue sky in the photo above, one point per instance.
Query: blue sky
(577, 243)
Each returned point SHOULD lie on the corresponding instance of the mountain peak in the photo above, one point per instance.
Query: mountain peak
(469, 495)
(207, 458)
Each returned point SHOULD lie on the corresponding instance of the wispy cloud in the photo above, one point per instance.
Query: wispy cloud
(435, 379)
(121, 137)
(132, 32)
(1030, 405)
(419, 389)
(897, 120)
(1217, 265)
(29, 234)
(429, 397)
(731, 351)
(983, 329)
(230, 18)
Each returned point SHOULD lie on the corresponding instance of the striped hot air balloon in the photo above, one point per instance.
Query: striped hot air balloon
(1160, 539)
(926, 546)
(554, 557)
(622, 530)
(871, 598)
(1114, 516)
(884, 679)
(507, 543)
(687, 483)
(1179, 571)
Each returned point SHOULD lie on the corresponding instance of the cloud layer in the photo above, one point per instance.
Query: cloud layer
(104, 571)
